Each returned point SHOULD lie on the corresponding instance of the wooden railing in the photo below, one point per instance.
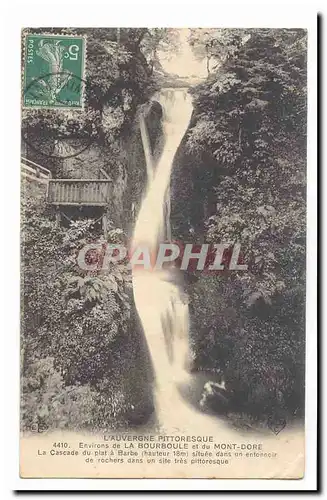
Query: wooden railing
(91, 192)
(88, 192)
(34, 172)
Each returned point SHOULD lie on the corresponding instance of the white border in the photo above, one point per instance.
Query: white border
(169, 13)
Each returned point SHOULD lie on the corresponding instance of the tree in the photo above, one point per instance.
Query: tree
(159, 40)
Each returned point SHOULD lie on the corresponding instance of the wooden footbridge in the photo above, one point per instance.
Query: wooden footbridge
(70, 192)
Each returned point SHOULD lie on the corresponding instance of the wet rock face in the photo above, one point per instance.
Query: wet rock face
(154, 113)
(133, 166)
(86, 165)
(193, 199)
(154, 126)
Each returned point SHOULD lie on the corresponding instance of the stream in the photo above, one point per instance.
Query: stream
(159, 300)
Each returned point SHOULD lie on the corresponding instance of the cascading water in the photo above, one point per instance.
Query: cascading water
(159, 303)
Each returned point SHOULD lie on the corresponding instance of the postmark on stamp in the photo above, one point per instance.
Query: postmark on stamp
(54, 67)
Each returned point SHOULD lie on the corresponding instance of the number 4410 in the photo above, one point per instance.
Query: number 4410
(60, 445)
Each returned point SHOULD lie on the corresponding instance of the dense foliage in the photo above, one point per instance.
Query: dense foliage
(75, 325)
(248, 137)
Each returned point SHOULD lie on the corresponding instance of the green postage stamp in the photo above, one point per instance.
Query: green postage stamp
(54, 68)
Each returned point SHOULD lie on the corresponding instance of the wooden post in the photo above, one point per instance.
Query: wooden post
(105, 225)
(58, 216)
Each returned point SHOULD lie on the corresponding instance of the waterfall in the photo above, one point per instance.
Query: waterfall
(147, 149)
(161, 307)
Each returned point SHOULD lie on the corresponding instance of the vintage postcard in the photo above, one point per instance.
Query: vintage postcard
(163, 252)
